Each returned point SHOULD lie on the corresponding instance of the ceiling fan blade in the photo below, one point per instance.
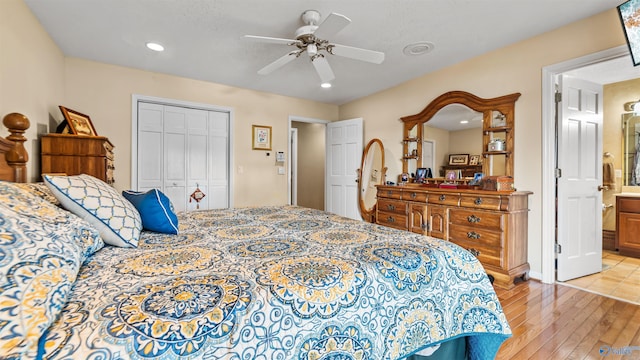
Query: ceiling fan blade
(278, 63)
(331, 26)
(271, 40)
(323, 69)
(351, 52)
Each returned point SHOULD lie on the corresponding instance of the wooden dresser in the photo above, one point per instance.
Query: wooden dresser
(76, 154)
(490, 224)
(628, 225)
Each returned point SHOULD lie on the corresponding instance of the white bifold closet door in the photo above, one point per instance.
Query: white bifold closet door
(182, 149)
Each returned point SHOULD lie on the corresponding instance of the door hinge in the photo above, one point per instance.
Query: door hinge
(558, 97)
(558, 249)
(558, 173)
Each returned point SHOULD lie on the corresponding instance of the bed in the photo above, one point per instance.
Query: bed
(267, 282)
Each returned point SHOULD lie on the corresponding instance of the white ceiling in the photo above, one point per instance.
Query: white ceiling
(204, 38)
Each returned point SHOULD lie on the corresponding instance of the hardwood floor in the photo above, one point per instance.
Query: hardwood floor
(559, 322)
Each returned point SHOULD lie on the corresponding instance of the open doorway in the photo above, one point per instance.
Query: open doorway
(614, 70)
(306, 185)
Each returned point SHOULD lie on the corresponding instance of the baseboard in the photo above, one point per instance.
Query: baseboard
(608, 240)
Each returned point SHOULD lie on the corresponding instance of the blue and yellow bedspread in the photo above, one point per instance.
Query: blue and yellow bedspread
(276, 283)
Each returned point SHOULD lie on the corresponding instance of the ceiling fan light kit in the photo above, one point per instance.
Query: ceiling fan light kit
(311, 38)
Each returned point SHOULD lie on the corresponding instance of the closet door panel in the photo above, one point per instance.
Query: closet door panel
(175, 184)
(150, 145)
(218, 159)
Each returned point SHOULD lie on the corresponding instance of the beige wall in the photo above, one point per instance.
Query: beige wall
(311, 160)
(31, 74)
(615, 95)
(104, 92)
(516, 68)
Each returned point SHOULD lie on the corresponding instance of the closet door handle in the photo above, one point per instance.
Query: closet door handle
(603, 187)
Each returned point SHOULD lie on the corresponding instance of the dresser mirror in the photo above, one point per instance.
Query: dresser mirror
(458, 122)
(372, 172)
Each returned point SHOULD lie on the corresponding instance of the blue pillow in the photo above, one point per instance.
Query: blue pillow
(155, 210)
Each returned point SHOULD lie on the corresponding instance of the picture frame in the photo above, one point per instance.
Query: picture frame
(628, 13)
(474, 160)
(421, 174)
(477, 179)
(261, 137)
(451, 175)
(78, 123)
(459, 159)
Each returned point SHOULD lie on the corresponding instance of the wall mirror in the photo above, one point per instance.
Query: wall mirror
(631, 149)
(372, 172)
(458, 122)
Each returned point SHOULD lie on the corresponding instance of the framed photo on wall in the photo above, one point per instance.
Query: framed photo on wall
(474, 160)
(459, 159)
(78, 123)
(261, 137)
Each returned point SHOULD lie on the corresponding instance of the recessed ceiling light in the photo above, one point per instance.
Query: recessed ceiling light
(155, 46)
(325, 85)
(418, 48)
(464, 121)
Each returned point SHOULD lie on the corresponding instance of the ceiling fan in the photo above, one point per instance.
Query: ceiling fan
(311, 38)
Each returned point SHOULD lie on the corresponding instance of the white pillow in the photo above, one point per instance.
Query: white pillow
(101, 205)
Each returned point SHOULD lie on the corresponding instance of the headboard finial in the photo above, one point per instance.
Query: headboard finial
(18, 156)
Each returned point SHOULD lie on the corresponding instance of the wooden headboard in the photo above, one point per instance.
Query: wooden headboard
(13, 155)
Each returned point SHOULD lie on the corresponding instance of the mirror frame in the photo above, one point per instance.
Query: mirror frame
(504, 104)
(369, 214)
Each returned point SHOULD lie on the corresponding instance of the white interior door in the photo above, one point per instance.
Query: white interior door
(344, 153)
(579, 193)
(293, 167)
(429, 154)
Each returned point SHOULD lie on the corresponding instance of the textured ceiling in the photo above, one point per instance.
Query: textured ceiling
(204, 38)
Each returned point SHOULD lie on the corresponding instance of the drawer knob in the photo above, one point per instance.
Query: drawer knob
(474, 252)
(414, 195)
(473, 219)
(478, 201)
(391, 207)
(391, 219)
(442, 197)
(473, 235)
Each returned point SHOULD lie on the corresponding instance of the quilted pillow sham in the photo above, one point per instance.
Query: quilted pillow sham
(101, 205)
(156, 210)
(39, 189)
(41, 250)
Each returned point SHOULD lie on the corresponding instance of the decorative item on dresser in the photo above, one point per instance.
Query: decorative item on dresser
(75, 155)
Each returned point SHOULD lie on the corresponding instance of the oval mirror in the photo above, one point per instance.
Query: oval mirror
(372, 173)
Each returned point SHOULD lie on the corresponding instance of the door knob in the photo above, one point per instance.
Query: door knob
(603, 187)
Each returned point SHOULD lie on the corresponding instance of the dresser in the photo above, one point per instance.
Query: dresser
(76, 154)
(492, 225)
(628, 225)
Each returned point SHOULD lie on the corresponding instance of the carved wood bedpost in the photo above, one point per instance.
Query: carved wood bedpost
(17, 157)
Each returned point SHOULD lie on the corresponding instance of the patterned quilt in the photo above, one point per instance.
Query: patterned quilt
(276, 283)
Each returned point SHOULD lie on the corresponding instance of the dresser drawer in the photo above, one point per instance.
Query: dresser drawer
(475, 235)
(475, 218)
(417, 196)
(394, 220)
(389, 193)
(392, 206)
(490, 202)
(443, 198)
(488, 255)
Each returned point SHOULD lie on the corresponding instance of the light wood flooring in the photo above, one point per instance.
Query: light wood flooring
(560, 322)
(619, 279)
